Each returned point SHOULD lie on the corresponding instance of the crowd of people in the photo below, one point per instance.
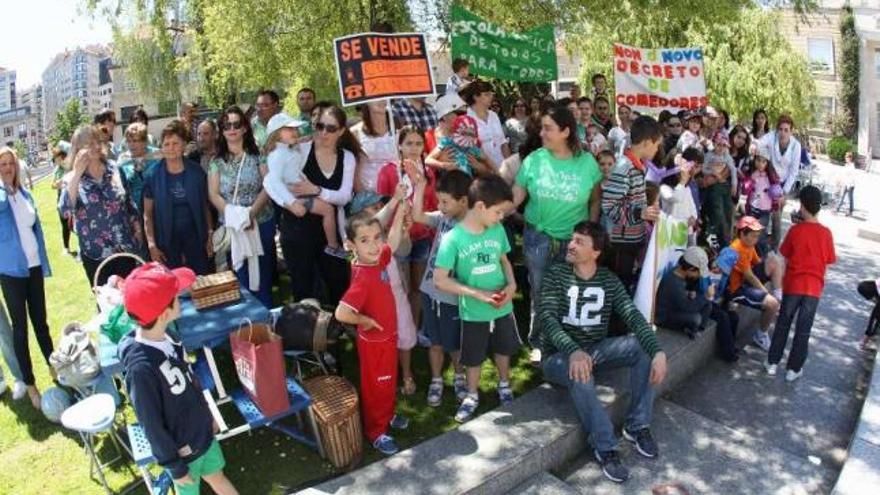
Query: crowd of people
(430, 202)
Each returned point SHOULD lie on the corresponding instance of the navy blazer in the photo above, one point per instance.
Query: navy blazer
(196, 184)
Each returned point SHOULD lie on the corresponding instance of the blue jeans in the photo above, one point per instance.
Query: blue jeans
(805, 307)
(847, 192)
(267, 264)
(609, 353)
(540, 251)
(6, 346)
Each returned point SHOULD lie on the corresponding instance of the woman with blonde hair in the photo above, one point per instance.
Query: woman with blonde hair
(105, 217)
(23, 268)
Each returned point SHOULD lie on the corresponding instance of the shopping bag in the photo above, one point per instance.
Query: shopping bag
(259, 363)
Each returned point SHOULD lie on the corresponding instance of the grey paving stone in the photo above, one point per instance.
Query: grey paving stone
(544, 483)
(861, 474)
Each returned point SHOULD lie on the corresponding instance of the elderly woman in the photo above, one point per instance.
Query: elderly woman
(23, 267)
(479, 96)
(328, 174)
(105, 217)
(236, 178)
(177, 220)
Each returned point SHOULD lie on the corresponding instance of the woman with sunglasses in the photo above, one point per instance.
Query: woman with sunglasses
(329, 175)
(515, 127)
(374, 134)
(177, 219)
(236, 178)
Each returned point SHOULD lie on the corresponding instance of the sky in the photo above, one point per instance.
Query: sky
(34, 31)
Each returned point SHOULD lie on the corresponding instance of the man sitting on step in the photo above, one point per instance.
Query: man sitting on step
(577, 299)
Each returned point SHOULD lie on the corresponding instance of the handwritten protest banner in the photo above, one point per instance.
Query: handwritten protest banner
(375, 66)
(668, 241)
(651, 80)
(496, 53)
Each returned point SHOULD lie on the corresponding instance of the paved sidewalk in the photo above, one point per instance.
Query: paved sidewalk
(733, 429)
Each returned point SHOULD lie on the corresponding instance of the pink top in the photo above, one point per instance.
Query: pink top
(761, 196)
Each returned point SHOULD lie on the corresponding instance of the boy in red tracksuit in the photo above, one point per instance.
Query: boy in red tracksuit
(369, 304)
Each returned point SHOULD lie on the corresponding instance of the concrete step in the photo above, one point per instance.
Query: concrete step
(701, 456)
(544, 483)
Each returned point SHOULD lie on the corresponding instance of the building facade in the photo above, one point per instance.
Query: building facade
(33, 98)
(7, 90)
(819, 40)
(73, 74)
(21, 124)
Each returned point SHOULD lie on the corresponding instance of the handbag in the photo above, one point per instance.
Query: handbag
(221, 239)
(259, 363)
(75, 360)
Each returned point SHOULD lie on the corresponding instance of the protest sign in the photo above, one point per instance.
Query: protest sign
(375, 66)
(496, 53)
(651, 80)
(668, 241)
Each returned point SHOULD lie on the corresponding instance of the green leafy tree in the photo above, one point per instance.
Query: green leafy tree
(847, 123)
(67, 120)
(20, 149)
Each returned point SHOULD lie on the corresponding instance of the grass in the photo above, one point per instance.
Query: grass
(40, 457)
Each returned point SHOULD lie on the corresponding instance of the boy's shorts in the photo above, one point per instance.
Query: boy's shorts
(476, 336)
(441, 324)
(210, 462)
(749, 296)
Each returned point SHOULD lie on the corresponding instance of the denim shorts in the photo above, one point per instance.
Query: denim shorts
(750, 296)
(441, 323)
(419, 252)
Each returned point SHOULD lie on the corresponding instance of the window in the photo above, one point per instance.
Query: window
(7, 131)
(820, 52)
(824, 110)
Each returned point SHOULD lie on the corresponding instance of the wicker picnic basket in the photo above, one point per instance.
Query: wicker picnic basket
(335, 408)
(215, 289)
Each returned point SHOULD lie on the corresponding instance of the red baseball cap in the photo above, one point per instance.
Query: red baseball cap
(750, 223)
(150, 288)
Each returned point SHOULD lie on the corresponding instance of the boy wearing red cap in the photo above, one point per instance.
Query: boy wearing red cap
(166, 398)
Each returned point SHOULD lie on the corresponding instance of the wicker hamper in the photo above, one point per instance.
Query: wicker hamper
(215, 289)
(336, 411)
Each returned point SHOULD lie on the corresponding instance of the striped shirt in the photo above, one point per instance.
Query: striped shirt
(574, 313)
(623, 199)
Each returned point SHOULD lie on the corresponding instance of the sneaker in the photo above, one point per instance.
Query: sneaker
(535, 357)
(611, 466)
(336, 252)
(19, 390)
(505, 394)
(459, 385)
(399, 422)
(770, 368)
(467, 408)
(792, 375)
(643, 441)
(762, 340)
(435, 392)
(385, 445)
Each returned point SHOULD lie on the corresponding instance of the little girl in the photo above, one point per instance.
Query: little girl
(763, 192)
(284, 156)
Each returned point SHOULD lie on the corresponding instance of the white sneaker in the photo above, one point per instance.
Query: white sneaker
(792, 375)
(770, 368)
(19, 390)
(762, 340)
(535, 356)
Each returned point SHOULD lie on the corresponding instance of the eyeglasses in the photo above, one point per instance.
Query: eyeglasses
(330, 128)
(228, 126)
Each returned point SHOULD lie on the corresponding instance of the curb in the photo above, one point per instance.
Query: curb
(861, 471)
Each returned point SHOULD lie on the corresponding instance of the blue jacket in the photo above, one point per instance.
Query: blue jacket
(168, 403)
(196, 184)
(13, 262)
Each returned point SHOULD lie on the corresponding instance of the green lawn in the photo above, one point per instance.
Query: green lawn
(39, 457)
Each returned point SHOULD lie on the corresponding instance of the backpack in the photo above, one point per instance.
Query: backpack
(304, 326)
(75, 360)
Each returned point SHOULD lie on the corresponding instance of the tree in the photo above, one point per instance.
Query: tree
(66, 121)
(847, 123)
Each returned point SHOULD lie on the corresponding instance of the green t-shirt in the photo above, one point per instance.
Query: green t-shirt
(559, 190)
(475, 261)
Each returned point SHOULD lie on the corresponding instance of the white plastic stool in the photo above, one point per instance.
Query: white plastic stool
(88, 417)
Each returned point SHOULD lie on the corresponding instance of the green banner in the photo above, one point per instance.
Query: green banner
(499, 54)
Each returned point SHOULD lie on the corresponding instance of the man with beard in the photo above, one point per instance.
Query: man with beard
(577, 299)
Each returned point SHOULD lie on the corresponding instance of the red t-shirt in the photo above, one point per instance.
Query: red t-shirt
(387, 183)
(808, 249)
(430, 141)
(370, 295)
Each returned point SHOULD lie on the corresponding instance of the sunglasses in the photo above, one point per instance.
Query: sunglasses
(237, 125)
(330, 128)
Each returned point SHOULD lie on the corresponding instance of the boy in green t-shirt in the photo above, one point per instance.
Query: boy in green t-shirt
(475, 251)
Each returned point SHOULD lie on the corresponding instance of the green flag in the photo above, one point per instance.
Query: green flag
(496, 53)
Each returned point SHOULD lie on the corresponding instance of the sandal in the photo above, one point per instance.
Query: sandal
(409, 386)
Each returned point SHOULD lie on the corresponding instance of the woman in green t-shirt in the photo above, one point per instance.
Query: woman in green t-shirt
(561, 182)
